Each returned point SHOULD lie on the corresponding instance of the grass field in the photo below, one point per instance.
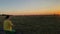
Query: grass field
(38, 24)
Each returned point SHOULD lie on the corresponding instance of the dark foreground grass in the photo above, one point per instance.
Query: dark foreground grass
(47, 24)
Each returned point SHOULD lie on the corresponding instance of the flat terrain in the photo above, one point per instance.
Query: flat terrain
(35, 24)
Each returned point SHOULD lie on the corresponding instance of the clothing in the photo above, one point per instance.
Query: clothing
(7, 25)
(10, 32)
(7, 32)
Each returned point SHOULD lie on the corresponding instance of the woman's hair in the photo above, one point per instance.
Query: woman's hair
(7, 17)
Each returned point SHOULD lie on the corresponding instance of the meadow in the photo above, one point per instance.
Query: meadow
(35, 24)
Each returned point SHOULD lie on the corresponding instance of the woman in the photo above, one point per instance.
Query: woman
(8, 26)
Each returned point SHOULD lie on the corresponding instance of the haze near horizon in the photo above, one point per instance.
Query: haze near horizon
(29, 7)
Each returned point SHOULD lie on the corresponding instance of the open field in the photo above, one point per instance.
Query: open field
(38, 24)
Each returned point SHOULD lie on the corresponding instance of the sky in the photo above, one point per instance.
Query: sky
(29, 7)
